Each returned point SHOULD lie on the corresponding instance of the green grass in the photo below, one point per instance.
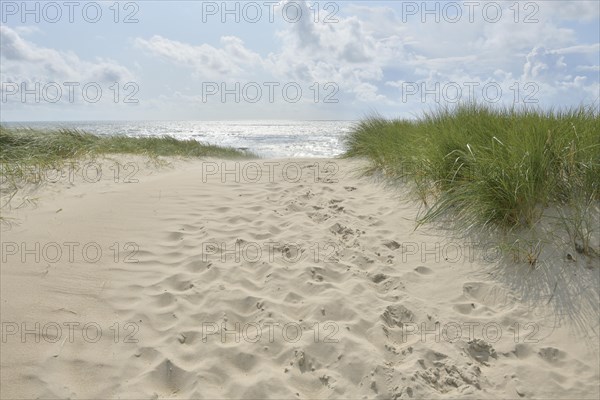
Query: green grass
(488, 168)
(48, 147)
(24, 150)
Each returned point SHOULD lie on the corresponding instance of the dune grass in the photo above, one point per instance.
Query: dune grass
(23, 150)
(490, 168)
(19, 145)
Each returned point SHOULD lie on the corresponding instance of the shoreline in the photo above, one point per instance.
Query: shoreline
(319, 263)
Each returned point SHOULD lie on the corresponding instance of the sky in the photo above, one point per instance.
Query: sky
(302, 60)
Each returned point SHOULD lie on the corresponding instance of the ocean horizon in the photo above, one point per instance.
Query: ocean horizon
(267, 138)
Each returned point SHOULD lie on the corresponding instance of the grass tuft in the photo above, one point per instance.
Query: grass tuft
(24, 145)
(24, 151)
(490, 168)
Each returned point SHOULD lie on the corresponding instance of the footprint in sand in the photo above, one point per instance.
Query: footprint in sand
(481, 350)
(397, 315)
(392, 245)
(491, 295)
(424, 270)
(465, 308)
(176, 236)
(340, 229)
(334, 205)
(167, 376)
(379, 278)
(552, 355)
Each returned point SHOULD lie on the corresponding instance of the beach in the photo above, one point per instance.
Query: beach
(270, 278)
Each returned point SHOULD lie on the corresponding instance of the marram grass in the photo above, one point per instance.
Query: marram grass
(487, 167)
(23, 149)
(19, 145)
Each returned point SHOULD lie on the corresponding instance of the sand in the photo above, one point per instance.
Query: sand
(203, 280)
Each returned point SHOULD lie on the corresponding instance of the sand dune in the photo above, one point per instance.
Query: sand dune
(215, 280)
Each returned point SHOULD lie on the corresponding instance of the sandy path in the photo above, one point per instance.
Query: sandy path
(298, 285)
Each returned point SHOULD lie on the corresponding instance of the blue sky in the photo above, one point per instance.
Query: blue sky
(312, 60)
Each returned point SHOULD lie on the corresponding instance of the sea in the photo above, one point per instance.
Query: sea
(268, 139)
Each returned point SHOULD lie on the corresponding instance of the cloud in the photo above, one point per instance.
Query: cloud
(370, 51)
(554, 63)
(590, 68)
(24, 61)
(573, 10)
(346, 52)
(368, 93)
(27, 30)
(589, 49)
(207, 61)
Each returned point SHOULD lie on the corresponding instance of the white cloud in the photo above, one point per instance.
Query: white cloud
(590, 68)
(27, 30)
(589, 49)
(572, 10)
(545, 64)
(25, 61)
(369, 52)
(368, 93)
(207, 61)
